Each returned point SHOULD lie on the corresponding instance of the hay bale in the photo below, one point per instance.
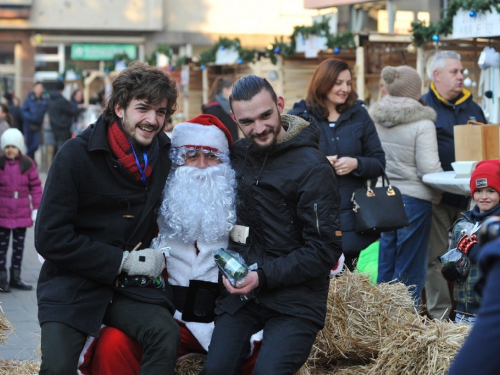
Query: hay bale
(13, 367)
(190, 364)
(428, 348)
(5, 327)
(360, 315)
(342, 370)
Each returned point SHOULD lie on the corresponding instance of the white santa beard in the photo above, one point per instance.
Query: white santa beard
(199, 204)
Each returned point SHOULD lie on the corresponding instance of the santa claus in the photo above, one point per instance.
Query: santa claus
(195, 218)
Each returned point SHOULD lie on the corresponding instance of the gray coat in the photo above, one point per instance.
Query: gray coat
(408, 136)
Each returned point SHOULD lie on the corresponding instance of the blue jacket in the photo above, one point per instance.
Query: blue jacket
(33, 111)
(449, 115)
(480, 350)
(354, 135)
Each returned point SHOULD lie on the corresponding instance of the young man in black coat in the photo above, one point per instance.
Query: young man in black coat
(95, 224)
(61, 113)
(288, 224)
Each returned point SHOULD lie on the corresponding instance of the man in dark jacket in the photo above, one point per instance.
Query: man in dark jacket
(99, 206)
(33, 111)
(61, 113)
(453, 105)
(288, 224)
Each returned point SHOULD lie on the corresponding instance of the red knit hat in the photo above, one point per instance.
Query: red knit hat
(203, 131)
(486, 174)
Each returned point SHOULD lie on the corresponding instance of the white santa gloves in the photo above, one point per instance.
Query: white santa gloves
(146, 262)
(33, 215)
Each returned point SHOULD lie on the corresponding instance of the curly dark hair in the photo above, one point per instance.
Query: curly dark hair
(141, 82)
(322, 82)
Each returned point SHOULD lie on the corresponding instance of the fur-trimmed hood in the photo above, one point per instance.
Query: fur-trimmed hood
(392, 111)
(293, 126)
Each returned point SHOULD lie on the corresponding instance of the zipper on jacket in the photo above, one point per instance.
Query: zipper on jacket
(317, 217)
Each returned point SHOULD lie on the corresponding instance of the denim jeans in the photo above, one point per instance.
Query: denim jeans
(403, 254)
(466, 319)
(32, 141)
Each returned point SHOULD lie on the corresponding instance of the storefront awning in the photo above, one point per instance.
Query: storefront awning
(318, 4)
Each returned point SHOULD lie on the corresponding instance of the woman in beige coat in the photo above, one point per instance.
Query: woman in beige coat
(408, 135)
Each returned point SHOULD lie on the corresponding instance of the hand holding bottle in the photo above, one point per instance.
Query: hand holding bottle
(244, 287)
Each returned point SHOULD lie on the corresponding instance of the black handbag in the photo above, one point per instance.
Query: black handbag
(378, 209)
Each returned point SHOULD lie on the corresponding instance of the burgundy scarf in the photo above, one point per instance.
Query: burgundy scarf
(122, 149)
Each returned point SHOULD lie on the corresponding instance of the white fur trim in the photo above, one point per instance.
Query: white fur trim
(255, 338)
(338, 267)
(187, 133)
(184, 264)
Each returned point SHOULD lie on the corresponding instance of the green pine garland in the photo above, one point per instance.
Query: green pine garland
(322, 28)
(422, 33)
(246, 55)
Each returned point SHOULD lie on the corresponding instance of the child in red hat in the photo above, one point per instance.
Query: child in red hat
(485, 192)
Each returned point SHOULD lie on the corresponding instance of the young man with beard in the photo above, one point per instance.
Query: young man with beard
(288, 208)
(95, 223)
(196, 215)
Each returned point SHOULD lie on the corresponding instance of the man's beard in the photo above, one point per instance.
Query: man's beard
(273, 133)
(199, 204)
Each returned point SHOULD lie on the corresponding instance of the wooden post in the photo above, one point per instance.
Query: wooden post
(421, 64)
(360, 72)
(204, 85)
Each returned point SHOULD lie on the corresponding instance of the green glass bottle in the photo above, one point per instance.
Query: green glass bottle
(231, 266)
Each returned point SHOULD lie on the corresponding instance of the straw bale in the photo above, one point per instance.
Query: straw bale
(360, 315)
(425, 349)
(339, 370)
(5, 327)
(14, 367)
(190, 364)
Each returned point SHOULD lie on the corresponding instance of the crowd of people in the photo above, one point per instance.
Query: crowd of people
(129, 283)
(29, 116)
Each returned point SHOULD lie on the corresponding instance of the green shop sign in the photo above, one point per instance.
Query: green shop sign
(102, 51)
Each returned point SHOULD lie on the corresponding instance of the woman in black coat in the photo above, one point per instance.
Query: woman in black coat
(348, 139)
(218, 104)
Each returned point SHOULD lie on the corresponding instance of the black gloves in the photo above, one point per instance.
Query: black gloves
(450, 273)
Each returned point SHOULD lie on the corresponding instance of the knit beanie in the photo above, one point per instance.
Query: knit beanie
(486, 174)
(13, 137)
(402, 81)
(203, 131)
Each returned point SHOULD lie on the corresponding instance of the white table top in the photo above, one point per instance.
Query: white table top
(448, 182)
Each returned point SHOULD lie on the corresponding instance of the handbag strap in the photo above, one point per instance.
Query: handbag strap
(369, 191)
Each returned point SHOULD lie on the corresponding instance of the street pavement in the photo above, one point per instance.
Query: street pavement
(20, 307)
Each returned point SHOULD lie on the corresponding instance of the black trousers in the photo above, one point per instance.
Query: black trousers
(18, 236)
(151, 325)
(286, 344)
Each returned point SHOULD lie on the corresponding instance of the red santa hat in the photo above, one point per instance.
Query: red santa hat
(204, 131)
(486, 174)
